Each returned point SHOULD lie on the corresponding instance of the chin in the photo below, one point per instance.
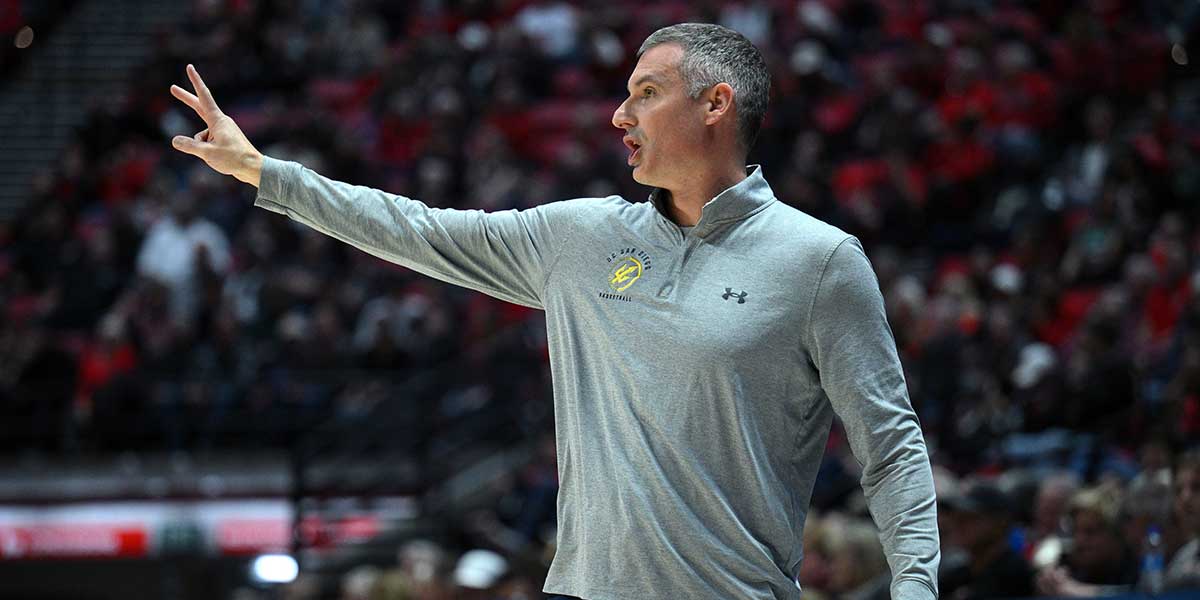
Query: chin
(640, 176)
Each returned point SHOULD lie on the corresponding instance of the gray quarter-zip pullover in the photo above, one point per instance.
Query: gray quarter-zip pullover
(695, 376)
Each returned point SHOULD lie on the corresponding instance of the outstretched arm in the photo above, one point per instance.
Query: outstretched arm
(506, 254)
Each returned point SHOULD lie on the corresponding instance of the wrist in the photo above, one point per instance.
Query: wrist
(252, 168)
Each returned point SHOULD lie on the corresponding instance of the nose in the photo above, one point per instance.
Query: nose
(621, 118)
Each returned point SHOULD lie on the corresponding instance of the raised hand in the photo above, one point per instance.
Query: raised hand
(221, 145)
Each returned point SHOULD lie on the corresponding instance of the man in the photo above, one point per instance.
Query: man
(983, 517)
(700, 343)
(180, 251)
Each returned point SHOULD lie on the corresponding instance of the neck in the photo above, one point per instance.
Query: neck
(685, 203)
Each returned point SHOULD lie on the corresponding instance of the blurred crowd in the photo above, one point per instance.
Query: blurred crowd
(1012, 536)
(1024, 176)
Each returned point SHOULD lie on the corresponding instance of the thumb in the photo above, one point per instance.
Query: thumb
(190, 146)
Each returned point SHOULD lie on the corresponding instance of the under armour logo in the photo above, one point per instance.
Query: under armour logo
(729, 294)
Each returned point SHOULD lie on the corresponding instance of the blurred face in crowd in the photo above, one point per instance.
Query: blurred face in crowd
(1049, 508)
(978, 533)
(1095, 545)
(1187, 499)
(183, 207)
(664, 127)
(814, 569)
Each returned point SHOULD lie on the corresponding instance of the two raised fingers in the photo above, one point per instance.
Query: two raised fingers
(202, 101)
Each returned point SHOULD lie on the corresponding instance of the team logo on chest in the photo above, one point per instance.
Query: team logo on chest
(626, 266)
(627, 271)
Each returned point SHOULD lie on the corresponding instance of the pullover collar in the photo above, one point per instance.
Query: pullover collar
(736, 202)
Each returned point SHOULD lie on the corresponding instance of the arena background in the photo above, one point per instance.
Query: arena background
(188, 383)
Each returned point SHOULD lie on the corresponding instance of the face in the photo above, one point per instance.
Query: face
(1095, 546)
(183, 207)
(1049, 508)
(980, 532)
(664, 127)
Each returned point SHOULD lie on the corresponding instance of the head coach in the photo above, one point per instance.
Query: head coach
(701, 342)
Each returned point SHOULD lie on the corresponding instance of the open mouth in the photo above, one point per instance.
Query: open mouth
(634, 148)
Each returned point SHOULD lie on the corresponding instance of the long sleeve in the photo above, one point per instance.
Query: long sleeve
(507, 254)
(855, 354)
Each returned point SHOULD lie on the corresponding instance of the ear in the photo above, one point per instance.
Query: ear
(718, 103)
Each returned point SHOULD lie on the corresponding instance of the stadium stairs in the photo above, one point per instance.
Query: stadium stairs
(86, 59)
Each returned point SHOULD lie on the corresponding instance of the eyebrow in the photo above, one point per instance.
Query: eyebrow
(645, 78)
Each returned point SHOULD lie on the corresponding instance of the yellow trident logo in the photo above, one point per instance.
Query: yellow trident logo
(627, 271)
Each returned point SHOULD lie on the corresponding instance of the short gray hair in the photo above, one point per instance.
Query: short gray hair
(714, 54)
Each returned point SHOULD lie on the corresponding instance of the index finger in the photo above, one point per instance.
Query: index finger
(187, 98)
(206, 100)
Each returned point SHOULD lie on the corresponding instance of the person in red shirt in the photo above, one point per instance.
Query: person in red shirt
(109, 355)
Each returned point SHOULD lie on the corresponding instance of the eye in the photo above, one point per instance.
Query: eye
(648, 92)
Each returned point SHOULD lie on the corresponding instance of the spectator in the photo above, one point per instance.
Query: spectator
(1049, 516)
(815, 568)
(111, 355)
(1183, 567)
(857, 567)
(181, 251)
(994, 569)
(1099, 561)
